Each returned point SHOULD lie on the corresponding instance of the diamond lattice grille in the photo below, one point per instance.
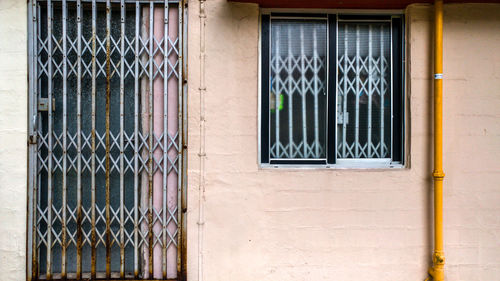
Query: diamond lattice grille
(298, 90)
(364, 90)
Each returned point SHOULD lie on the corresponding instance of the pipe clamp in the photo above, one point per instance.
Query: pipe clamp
(438, 175)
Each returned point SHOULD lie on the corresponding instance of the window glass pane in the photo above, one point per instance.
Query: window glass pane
(364, 90)
(298, 92)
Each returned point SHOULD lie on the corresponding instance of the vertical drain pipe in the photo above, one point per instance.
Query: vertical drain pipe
(202, 154)
(437, 270)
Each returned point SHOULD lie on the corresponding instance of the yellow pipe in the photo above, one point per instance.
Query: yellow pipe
(437, 270)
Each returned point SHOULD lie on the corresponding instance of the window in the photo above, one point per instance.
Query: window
(332, 90)
(106, 141)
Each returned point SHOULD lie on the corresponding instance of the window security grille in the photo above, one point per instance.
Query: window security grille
(364, 90)
(331, 89)
(298, 89)
(107, 140)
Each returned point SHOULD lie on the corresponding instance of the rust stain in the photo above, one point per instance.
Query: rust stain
(63, 246)
(108, 144)
(150, 193)
(79, 242)
(151, 144)
(93, 221)
(122, 90)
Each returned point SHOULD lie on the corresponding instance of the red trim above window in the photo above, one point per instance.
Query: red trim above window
(348, 4)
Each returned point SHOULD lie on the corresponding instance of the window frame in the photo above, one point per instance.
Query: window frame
(398, 106)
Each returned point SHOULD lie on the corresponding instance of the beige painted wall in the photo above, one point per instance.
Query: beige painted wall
(13, 137)
(284, 224)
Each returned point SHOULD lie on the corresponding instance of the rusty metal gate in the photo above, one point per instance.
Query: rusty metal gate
(107, 134)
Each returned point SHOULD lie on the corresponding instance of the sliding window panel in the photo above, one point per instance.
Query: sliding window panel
(298, 89)
(364, 90)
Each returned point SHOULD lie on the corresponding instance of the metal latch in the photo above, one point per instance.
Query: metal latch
(343, 118)
(32, 139)
(43, 104)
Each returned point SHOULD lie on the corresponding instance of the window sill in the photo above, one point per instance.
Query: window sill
(342, 164)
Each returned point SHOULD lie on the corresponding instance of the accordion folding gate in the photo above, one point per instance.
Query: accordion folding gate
(107, 139)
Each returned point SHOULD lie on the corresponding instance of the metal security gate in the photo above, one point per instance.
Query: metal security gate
(107, 136)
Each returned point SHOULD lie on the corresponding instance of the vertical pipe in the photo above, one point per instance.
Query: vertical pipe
(303, 91)
(93, 143)
(136, 142)
(122, 94)
(276, 92)
(202, 152)
(370, 91)
(290, 94)
(108, 141)
(382, 92)
(79, 143)
(151, 141)
(316, 94)
(356, 132)
(49, 136)
(437, 270)
(345, 92)
(165, 138)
